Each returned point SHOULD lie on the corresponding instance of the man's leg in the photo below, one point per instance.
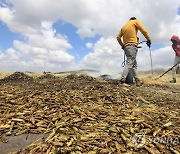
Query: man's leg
(134, 69)
(176, 60)
(135, 74)
(130, 52)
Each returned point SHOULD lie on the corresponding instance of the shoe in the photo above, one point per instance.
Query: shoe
(173, 80)
(124, 83)
(138, 82)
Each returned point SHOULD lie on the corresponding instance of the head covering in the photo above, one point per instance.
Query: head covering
(175, 38)
(132, 18)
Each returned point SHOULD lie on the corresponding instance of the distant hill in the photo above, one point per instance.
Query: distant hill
(155, 71)
(79, 71)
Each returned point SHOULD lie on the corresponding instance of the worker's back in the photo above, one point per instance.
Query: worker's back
(129, 31)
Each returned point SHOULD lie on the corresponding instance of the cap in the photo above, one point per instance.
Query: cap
(132, 18)
(175, 38)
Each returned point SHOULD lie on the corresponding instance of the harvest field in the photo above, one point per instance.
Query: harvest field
(72, 113)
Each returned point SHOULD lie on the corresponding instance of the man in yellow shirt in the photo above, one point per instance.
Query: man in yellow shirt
(129, 44)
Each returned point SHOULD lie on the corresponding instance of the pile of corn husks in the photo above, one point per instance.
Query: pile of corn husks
(83, 114)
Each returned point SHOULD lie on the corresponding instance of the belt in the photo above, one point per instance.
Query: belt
(131, 45)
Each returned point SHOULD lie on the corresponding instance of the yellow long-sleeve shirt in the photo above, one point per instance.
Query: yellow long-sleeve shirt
(129, 33)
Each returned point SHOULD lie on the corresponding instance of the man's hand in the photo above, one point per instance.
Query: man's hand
(148, 43)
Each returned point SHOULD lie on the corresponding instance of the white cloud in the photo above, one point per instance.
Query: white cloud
(161, 58)
(89, 45)
(86, 32)
(42, 50)
(102, 17)
(2, 55)
(13, 54)
(106, 56)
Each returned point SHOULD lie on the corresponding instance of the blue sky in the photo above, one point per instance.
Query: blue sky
(67, 35)
(79, 49)
(7, 37)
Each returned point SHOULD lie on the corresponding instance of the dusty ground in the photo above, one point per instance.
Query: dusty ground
(82, 114)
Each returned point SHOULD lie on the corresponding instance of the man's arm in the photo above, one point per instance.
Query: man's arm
(119, 38)
(176, 48)
(143, 30)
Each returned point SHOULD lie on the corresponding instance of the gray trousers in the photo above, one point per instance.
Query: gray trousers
(176, 60)
(131, 63)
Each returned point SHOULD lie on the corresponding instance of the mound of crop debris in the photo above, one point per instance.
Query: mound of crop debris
(82, 114)
(47, 76)
(74, 81)
(81, 78)
(17, 77)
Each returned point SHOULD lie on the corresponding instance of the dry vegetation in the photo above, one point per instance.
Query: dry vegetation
(82, 114)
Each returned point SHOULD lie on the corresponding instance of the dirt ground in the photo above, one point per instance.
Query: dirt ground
(82, 114)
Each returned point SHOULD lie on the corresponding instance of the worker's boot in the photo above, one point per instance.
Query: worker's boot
(138, 82)
(173, 80)
(123, 82)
